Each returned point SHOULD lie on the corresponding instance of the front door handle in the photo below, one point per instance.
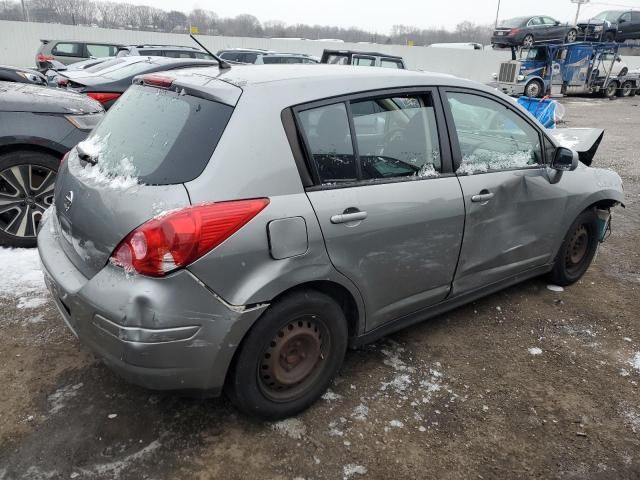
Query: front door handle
(483, 197)
(349, 216)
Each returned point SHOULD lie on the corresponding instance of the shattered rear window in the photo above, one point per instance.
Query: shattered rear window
(161, 136)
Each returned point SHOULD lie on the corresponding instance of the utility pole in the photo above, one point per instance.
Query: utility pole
(580, 3)
(497, 13)
(25, 13)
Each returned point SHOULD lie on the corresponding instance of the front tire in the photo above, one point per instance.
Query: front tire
(611, 90)
(27, 180)
(534, 89)
(289, 357)
(609, 37)
(577, 250)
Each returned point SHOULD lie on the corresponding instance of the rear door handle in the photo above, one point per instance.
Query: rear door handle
(482, 197)
(349, 217)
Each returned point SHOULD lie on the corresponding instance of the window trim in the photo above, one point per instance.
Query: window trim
(455, 145)
(443, 135)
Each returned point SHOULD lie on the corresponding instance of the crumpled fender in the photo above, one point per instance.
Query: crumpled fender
(585, 141)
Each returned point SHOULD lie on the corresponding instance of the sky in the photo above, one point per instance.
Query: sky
(378, 16)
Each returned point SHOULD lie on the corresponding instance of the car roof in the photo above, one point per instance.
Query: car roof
(164, 47)
(354, 52)
(97, 42)
(291, 84)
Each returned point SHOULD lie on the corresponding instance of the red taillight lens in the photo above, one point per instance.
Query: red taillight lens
(156, 80)
(103, 97)
(41, 57)
(64, 159)
(63, 82)
(179, 238)
(514, 31)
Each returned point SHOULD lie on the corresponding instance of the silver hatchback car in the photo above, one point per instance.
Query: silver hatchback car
(238, 229)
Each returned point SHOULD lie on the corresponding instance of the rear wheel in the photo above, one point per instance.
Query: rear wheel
(528, 41)
(290, 356)
(609, 37)
(627, 88)
(611, 89)
(577, 250)
(27, 180)
(534, 89)
(572, 36)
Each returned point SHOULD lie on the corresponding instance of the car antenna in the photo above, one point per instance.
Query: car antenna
(222, 65)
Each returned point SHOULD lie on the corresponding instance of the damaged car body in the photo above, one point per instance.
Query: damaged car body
(196, 251)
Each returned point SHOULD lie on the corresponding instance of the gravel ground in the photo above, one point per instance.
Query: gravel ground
(527, 383)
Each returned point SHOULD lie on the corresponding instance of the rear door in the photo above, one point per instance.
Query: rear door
(513, 209)
(68, 52)
(390, 209)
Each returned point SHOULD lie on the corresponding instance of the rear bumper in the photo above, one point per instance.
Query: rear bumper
(504, 41)
(165, 334)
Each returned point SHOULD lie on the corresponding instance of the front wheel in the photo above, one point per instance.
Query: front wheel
(572, 36)
(27, 180)
(577, 250)
(528, 41)
(534, 89)
(611, 89)
(290, 356)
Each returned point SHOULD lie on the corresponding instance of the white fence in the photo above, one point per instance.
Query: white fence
(19, 42)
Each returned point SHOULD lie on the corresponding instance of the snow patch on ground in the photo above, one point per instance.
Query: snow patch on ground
(331, 396)
(396, 424)
(635, 361)
(60, 397)
(555, 288)
(631, 416)
(20, 272)
(116, 468)
(361, 412)
(32, 302)
(535, 351)
(352, 469)
(291, 427)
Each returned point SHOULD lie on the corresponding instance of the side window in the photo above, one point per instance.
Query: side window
(388, 63)
(68, 49)
(329, 139)
(548, 21)
(535, 21)
(364, 61)
(626, 17)
(99, 51)
(635, 17)
(334, 59)
(396, 137)
(491, 136)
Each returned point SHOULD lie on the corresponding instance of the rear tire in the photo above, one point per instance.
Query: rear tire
(27, 179)
(528, 41)
(289, 357)
(577, 250)
(572, 36)
(534, 89)
(611, 90)
(609, 37)
(628, 89)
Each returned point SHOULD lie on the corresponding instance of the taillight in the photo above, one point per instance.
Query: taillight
(64, 159)
(177, 239)
(156, 80)
(62, 82)
(103, 97)
(41, 57)
(514, 31)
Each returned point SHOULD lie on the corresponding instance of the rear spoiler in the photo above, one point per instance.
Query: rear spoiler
(585, 141)
(44, 42)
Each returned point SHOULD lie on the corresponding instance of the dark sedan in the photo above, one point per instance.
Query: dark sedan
(106, 85)
(21, 75)
(525, 31)
(38, 125)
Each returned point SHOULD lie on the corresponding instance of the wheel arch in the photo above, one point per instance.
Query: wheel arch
(43, 146)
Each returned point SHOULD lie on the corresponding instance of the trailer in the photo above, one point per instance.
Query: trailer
(567, 69)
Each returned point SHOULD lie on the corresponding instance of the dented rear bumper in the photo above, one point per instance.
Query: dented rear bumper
(161, 333)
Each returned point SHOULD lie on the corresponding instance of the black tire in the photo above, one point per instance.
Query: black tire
(534, 89)
(307, 326)
(572, 36)
(577, 251)
(609, 37)
(627, 88)
(27, 179)
(611, 90)
(528, 41)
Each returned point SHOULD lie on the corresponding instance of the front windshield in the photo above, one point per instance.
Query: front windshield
(532, 54)
(610, 16)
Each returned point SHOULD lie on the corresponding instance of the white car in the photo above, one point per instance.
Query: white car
(613, 62)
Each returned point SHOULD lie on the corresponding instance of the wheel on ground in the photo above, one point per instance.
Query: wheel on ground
(577, 250)
(289, 357)
(528, 41)
(627, 88)
(27, 180)
(572, 36)
(611, 90)
(534, 89)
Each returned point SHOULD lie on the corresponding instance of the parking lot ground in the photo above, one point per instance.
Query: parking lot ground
(527, 383)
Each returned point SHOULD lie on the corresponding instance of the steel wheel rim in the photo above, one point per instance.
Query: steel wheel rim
(293, 359)
(528, 41)
(26, 191)
(577, 249)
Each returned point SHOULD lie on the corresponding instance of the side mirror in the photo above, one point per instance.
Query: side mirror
(558, 23)
(565, 160)
(622, 20)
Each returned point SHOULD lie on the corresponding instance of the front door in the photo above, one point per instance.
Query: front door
(390, 209)
(512, 208)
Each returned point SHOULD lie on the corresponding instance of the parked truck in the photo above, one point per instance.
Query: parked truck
(567, 69)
